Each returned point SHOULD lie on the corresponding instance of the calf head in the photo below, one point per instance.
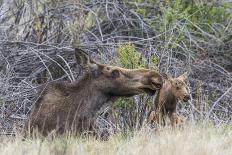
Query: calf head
(179, 87)
(117, 81)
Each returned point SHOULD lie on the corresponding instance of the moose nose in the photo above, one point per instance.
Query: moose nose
(186, 98)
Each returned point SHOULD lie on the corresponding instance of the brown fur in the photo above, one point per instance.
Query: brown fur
(173, 90)
(73, 106)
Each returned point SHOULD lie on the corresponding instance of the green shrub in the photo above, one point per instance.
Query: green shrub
(186, 23)
(128, 57)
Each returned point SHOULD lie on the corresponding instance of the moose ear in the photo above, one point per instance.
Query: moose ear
(81, 57)
(87, 63)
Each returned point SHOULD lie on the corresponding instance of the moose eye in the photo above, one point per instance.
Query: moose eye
(156, 84)
(115, 73)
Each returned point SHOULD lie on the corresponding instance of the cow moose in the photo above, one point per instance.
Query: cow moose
(64, 106)
(173, 90)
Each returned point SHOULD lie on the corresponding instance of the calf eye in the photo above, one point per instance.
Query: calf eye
(177, 88)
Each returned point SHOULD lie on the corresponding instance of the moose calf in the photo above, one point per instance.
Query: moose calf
(72, 106)
(173, 90)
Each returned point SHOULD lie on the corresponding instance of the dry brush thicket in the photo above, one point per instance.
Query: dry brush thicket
(36, 46)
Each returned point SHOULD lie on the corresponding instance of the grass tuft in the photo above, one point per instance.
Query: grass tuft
(201, 139)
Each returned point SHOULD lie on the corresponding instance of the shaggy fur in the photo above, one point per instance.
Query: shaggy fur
(173, 90)
(72, 106)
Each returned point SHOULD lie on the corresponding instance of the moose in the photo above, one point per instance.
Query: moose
(64, 106)
(173, 90)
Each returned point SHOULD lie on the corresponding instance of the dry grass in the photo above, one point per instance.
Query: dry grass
(192, 140)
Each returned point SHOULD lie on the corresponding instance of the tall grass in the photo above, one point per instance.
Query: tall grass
(191, 140)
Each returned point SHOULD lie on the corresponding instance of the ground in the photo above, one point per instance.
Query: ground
(191, 140)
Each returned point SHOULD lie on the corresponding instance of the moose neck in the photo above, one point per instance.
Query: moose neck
(87, 95)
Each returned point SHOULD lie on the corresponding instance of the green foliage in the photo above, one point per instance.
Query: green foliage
(179, 19)
(195, 13)
(128, 57)
(189, 16)
(123, 102)
(153, 62)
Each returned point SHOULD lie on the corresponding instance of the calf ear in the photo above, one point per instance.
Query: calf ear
(184, 76)
(172, 81)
